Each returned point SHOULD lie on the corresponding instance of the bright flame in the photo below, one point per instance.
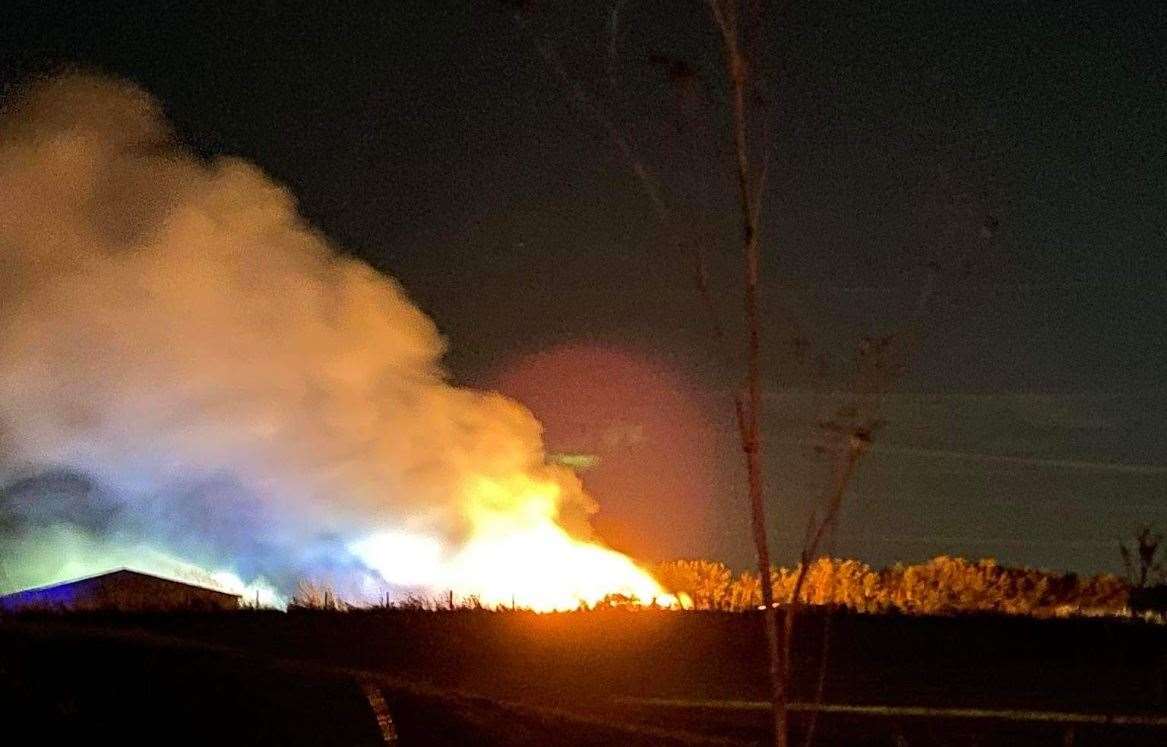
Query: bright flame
(543, 568)
(517, 554)
(402, 559)
(258, 592)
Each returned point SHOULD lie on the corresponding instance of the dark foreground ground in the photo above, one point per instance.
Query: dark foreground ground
(476, 677)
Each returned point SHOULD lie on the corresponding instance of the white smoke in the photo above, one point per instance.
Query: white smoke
(231, 389)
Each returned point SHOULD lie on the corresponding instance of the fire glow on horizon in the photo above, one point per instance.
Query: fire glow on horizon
(516, 554)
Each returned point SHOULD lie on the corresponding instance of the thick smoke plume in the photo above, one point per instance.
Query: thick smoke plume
(189, 369)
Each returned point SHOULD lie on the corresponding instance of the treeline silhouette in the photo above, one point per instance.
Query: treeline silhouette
(942, 585)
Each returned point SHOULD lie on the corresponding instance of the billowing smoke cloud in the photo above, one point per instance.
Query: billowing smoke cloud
(188, 368)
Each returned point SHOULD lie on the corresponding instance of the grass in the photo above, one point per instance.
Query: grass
(71, 682)
(567, 676)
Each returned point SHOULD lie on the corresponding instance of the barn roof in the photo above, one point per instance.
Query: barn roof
(117, 576)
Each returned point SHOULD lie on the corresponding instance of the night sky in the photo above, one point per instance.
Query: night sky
(1017, 148)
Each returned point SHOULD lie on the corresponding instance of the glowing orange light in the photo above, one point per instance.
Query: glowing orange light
(517, 554)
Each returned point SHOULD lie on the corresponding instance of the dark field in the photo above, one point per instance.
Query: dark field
(456, 677)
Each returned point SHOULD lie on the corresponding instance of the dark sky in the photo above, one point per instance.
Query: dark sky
(432, 140)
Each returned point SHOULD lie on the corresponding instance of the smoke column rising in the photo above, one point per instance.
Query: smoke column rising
(187, 366)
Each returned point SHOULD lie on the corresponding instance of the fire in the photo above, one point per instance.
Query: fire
(227, 388)
(516, 554)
